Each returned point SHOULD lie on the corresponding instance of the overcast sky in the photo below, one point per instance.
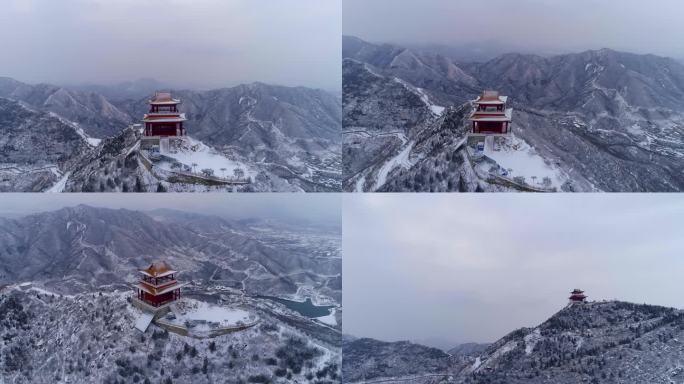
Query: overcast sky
(540, 25)
(450, 268)
(298, 206)
(191, 43)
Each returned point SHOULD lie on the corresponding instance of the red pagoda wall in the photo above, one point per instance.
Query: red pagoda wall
(159, 129)
(160, 299)
(490, 126)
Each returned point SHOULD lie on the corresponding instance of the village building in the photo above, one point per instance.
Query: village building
(491, 115)
(577, 296)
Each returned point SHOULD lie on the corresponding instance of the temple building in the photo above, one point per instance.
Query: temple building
(157, 286)
(491, 115)
(164, 119)
(577, 296)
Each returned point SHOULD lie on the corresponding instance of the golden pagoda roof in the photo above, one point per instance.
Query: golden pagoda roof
(491, 97)
(158, 269)
(163, 98)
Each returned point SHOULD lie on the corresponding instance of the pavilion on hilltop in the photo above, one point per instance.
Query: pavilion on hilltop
(491, 116)
(164, 119)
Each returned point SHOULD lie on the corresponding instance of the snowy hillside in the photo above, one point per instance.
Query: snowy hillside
(90, 337)
(284, 138)
(65, 314)
(596, 342)
(594, 121)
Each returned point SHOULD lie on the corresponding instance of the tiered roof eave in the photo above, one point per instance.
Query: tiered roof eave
(155, 292)
(164, 118)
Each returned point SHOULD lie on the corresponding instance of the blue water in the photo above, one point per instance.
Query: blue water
(304, 308)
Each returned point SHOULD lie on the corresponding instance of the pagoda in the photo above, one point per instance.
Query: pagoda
(164, 119)
(491, 115)
(577, 296)
(158, 286)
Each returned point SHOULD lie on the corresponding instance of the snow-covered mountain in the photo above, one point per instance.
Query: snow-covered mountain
(31, 157)
(368, 359)
(596, 120)
(65, 286)
(284, 138)
(78, 247)
(90, 338)
(98, 117)
(597, 342)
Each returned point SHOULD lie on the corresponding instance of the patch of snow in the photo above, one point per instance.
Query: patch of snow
(523, 160)
(330, 318)
(196, 152)
(60, 184)
(477, 363)
(143, 321)
(435, 109)
(509, 346)
(194, 310)
(401, 159)
(93, 142)
(531, 340)
(359, 184)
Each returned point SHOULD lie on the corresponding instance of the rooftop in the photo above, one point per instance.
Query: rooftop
(163, 98)
(167, 118)
(158, 269)
(491, 97)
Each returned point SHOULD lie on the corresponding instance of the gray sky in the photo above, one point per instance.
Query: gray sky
(460, 268)
(298, 206)
(541, 25)
(192, 43)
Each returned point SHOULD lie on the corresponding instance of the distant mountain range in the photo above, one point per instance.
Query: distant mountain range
(291, 135)
(597, 342)
(606, 120)
(77, 248)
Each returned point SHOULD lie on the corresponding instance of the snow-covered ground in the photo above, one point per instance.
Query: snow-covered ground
(59, 185)
(93, 142)
(401, 159)
(193, 151)
(519, 159)
(329, 319)
(531, 340)
(204, 313)
(435, 109)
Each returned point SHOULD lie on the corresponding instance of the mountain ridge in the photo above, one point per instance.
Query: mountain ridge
(603, 119)
(603, 341)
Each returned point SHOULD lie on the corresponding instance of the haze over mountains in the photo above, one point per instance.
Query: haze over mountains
(288, 135)
(606, 120)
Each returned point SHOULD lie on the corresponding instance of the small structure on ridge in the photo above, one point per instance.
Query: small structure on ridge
(577, 296)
